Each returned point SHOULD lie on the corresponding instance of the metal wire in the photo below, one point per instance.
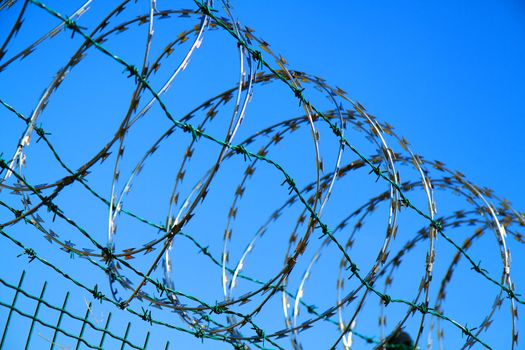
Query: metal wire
(224, 318)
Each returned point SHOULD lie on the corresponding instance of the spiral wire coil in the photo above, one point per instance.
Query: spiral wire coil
(319, 214)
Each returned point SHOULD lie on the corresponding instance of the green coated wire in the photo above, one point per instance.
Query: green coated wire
(62, 310)
(188, 128)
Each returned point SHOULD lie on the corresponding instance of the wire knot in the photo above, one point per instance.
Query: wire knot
(405, 202)
(30, 253)
(107, 254)
(132, 72)
(218, 309)
(325, 230)
(97, 295)
(3, 163)
(257, 56)
(376, 170)
(290, 182)
(423, 308)
(478, 268)
(311, 309)
(71, 24)
(199, 333)
(189, 128)
(51, 207)
(354, 268)
(41, 133)
(512, 294)
(337, 131)
(260, 333)
(160, 288)
(298, 93)
(239, 149)
(205, 9)
(437, 224)
(146, 316)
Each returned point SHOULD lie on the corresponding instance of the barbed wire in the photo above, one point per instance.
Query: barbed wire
(313, 198)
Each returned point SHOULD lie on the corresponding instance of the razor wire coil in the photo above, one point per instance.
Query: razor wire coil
(222, 320)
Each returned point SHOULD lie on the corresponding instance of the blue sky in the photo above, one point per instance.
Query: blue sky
(448, 76)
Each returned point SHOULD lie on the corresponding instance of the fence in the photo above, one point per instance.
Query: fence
(142, 279)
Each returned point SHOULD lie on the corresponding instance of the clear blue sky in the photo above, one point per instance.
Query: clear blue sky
(448, 75)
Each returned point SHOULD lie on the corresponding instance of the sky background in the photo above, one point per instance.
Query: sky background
(448, 75)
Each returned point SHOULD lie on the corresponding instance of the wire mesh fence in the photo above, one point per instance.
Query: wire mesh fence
(291, 189)
(56, 321)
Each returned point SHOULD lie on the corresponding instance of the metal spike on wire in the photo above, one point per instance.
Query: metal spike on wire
(146, 276)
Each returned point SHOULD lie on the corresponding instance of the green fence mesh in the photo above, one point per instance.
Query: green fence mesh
(38, 321)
